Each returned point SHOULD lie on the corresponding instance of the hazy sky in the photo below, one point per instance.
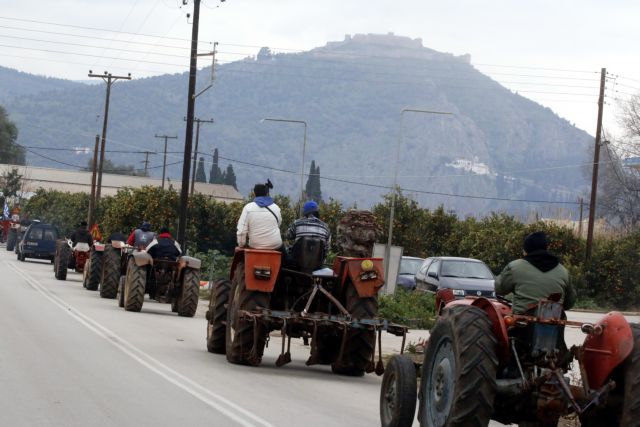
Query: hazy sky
(577, 35)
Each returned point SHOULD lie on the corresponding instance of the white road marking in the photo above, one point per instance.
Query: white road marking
(214, 400)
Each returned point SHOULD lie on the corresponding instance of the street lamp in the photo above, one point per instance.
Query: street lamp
(304, 149)
(395, 181)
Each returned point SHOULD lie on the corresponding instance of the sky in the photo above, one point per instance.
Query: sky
(548, 51)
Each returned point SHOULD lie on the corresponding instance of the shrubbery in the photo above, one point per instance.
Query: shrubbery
(609, 280)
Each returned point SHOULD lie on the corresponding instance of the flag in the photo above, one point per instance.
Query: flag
(5, 212)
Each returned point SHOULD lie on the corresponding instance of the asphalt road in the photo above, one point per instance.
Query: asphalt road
(70, 358)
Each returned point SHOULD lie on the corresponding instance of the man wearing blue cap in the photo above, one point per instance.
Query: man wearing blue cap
(310, 225)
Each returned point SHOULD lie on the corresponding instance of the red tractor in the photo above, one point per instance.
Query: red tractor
(482, 363)
(68, 257)
(336, 308)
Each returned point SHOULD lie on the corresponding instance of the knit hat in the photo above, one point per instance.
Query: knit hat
(309, 207)
(535, 242)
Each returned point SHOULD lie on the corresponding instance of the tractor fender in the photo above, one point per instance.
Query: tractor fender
(99, 247)
(187, 261)
(604, 352)
(117, 244)
(142, 258)
(261, 268)
(352, 268)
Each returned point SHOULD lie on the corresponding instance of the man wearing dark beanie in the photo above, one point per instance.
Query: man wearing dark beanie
(536, 276)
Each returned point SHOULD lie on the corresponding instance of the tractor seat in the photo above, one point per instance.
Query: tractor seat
(307, 254)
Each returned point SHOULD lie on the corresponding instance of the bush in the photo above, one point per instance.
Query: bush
(414, 309)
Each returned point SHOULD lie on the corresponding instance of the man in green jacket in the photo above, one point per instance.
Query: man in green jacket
(535, 276)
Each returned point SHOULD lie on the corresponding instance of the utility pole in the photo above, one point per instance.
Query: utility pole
(146, 161)
(580, 222)
(94, 170)
(596, 164)
(109, 79)
(164, 161)
(191, 101)
(195, 151)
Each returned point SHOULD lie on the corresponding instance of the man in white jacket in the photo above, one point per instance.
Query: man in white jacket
(260, 221)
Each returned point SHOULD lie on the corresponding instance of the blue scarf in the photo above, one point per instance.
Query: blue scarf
(263, 201)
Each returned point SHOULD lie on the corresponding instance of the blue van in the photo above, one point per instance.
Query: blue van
(39, 241)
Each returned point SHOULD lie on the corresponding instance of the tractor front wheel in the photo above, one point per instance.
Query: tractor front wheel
(459, 371)
(398, 394)
(93, 270)
(61, 260)
(134, 286)
(360, 345)
(244, 345)
(217, 316)
(189, 295)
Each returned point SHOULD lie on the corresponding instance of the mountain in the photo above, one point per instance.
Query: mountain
(16, 83)
(495, 144)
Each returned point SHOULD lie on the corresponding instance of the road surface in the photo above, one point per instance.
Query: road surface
(70, 358)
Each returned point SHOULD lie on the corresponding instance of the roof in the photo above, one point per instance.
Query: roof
(74, 181)
(455, 258)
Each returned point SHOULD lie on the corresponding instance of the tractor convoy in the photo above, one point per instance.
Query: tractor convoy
(482, 361)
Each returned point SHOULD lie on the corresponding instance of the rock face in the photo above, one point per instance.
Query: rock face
(357, 232)
(496, 144)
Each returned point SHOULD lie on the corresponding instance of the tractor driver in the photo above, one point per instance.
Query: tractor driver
(142, 236)
(536, 276)
(310, 225)
(81, 235)
(164, 246)
(260, 221)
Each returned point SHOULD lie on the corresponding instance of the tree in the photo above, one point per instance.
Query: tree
(215, 175)
(10, 152)
(10, 183)
(312, 189)
(201, 176)
(230, 177)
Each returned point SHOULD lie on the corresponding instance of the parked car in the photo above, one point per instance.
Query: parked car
(465, 276)
(407, 273)
(39, 241)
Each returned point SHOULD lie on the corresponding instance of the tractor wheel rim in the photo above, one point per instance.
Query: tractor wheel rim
(441, 384)
(234, 314)
(389, 408)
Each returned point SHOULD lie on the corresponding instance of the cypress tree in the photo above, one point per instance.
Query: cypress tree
(230, 177)
(201, 176)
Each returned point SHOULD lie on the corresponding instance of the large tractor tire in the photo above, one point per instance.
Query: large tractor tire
(134, 286)
(110, 277)
(63, 252)
(190, 293)
(398, 394)
(217, 316)
(12, 239)
(241, 347)
(459, 370)
(93, 270)
(121, 291)
(360, 345)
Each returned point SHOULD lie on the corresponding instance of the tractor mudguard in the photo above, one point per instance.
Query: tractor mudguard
(367, 282)
(261, 268)
(187, 261)
(604, 352)
(142, 258)
(117, 244)
(99, 247)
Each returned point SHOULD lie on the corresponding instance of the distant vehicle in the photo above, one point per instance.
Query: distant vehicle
(407, 274)
(39, 241)
(465, 276)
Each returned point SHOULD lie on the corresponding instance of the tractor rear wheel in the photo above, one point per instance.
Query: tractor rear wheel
(244, 345)
(459, 371)
(398, 394)
(121, 291)
(110, 272)
(360, 345)
(12, 238)
(631, 368)
(61, 260)
(93, 268)
(134, 286)
(190, 293)
(217, 316)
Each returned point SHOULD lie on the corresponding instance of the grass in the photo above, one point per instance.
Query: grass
(413, 309)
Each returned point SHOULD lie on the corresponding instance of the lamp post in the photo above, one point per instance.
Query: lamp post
(304, 150)
(395, 181)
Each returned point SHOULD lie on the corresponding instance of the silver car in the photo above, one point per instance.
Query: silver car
(465, 276)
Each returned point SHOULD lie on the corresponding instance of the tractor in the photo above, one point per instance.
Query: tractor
(68, 257)
(337, 308)
(114, 268)
(482, 362)
(174, 281)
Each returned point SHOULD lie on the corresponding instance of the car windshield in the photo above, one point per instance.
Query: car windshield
(410, 266)
(468, 269)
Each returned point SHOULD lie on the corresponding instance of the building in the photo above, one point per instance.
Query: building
(74, 181)
(632, 162)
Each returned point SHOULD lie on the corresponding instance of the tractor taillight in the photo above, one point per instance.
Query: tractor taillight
(262, 273)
